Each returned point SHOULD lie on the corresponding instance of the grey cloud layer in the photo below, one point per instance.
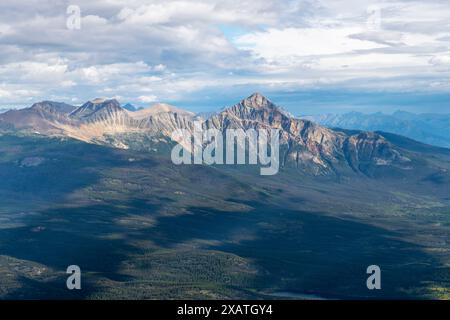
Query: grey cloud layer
(143, 51)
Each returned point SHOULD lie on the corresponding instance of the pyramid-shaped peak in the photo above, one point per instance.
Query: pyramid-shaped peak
(257, 100)
(257, 95)
(166, 108)
(163, 107)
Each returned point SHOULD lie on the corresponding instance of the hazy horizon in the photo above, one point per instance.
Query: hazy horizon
(308, 102)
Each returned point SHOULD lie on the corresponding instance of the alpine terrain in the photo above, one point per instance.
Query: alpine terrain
(94, 185)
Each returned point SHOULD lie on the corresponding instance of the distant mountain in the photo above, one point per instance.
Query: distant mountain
(432, 129)
(130, 107)
(44, 116)
(305, 145)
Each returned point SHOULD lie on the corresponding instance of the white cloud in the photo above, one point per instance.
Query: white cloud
(182, 11)
(4, 93)
(276, 44)
(30, 71)
(92, 21)
(165, 12)
(374, 61)
(160, 67)
(443, 59)
(147, 99)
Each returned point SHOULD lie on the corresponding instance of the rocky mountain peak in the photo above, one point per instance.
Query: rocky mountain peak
(159, 109)
(93, 106)
(255, 110)
(164, 107)
(257, 101)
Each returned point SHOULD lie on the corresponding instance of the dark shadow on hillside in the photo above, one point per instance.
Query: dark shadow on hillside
(296, 251)
(55, 289)
(306, 252)
(61, 237)
(46, 169)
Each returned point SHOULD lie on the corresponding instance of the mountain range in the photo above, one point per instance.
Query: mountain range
(428, 128)
(305, 145)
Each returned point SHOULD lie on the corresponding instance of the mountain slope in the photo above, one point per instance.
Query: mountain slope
(141, 227)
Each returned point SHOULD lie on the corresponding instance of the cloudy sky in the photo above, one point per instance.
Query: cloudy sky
(308, 55)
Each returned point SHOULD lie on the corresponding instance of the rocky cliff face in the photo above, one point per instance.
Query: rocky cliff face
(303, 144)
(309, 146)
(99, 120)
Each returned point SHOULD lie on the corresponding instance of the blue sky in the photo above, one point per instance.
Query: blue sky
(320, 101)
(309, 56)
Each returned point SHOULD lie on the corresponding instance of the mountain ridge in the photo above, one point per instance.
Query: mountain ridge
(304, 145)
